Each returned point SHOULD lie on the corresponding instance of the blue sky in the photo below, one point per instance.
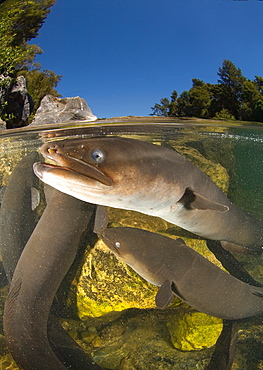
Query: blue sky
(123, 56)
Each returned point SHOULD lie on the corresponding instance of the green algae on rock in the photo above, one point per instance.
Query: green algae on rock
(106, 285)
(7, 363)
(194, 330)
(215, 171)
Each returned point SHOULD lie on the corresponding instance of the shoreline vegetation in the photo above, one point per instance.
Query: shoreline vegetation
(163, 119)
(233, 97)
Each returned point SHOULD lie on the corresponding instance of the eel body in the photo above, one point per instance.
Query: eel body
(132, 174)
(17, 216)
(34, 335)
(179, 270)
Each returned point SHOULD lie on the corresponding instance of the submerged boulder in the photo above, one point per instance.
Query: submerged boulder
(61, 110)
(107, 284)
(140, 339)
(193, 330)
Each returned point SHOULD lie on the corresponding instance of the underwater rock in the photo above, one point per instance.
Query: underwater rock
(123, 217)
(249, 351)
(137, 339)
(58, 110)
(194, 330)
(7, 363)
(10, 155)
(106, 285)
(215, 171)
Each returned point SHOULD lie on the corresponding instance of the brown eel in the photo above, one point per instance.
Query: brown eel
(180, 271)
(35, 338)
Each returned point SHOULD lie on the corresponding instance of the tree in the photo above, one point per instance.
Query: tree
(258, 111)
(232, 80)
(161, 109)
(173, 106)
(249, 98)
(259, 83)
(216, 104)
(20, 21)
(166, 107)
(184, 106)
(200, 98)
(233, 97)
(224, 115)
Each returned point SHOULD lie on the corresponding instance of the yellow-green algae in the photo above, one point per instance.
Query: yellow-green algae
(8, 363)
(194, 330)
(10, 156)
(215, 171)
(107, 284)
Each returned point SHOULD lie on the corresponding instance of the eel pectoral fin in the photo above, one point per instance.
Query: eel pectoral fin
(11, 310)
(164, 295)
(35, 198)
(14, 293)
(258, 294)
(101, 220)
(191, 200)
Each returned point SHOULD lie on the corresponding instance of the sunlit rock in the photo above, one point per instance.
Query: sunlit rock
(194, 330)
(107, 284)
(61, 110)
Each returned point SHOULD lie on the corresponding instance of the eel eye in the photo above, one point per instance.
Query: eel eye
(117, 245)
(97, 155)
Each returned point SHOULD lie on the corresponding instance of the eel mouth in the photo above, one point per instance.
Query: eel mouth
(67, 166)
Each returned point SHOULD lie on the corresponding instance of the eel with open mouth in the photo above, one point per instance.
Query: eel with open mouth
(135, 175)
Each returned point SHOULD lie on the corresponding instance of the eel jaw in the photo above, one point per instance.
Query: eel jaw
(73, 165)
(53, 174)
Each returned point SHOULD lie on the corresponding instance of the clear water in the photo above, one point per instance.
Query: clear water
(139, 337)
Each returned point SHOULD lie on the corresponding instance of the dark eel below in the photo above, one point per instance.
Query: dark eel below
(35, 338)
(225, 347)
(17, 218)
(179, 270)
(132, 174)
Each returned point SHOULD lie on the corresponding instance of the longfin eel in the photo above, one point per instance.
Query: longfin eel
(150, 179)
(179, 270)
